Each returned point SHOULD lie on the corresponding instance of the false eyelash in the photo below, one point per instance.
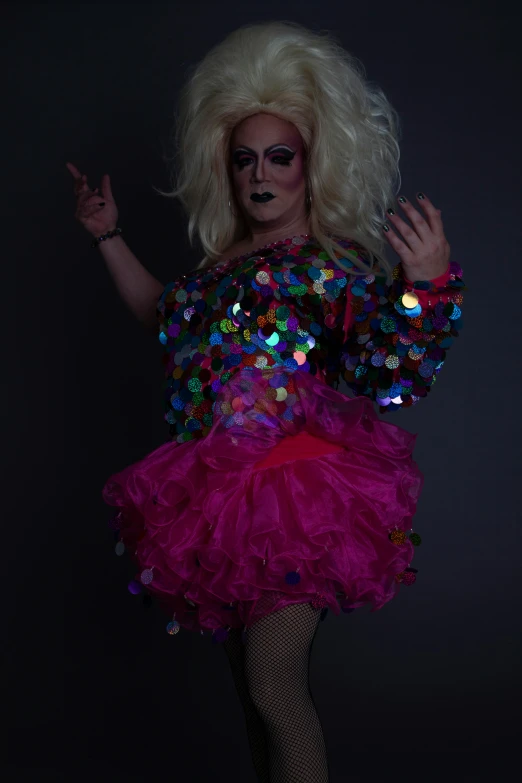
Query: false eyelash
(284, 161)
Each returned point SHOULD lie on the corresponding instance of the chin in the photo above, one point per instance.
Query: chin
(260, 219)
(258, 211)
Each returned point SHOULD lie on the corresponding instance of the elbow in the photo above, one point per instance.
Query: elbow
(151, 326)
(149, 321)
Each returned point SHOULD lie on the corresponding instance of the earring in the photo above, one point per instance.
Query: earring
(308, 201)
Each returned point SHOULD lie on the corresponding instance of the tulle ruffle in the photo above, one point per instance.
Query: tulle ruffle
(222, 543)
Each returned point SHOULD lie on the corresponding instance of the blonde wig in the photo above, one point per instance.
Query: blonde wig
(349, 129)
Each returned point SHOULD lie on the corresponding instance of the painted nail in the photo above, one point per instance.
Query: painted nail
(420, 195)
(385, 226)
(402, 200)
(390, 211)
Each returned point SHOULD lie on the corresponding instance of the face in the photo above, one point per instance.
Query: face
(267, 156)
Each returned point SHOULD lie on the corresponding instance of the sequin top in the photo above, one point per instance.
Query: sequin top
(289, 304)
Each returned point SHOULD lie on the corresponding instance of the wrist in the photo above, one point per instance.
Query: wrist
(113, 232)
(436, 277)
(428, 292)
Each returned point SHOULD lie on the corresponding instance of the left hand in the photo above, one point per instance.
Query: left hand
(425, 252)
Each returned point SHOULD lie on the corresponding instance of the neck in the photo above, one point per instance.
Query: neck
(259, 236)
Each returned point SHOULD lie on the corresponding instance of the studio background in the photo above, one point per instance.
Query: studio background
(94, 688)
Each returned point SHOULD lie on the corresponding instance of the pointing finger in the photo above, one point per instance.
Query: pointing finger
(106, 187)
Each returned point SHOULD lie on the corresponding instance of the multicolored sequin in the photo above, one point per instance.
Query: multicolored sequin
(393, 354)
(286, 306)
(241, 342)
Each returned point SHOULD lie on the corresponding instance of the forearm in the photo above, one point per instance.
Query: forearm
(405, 345)
(137, 287)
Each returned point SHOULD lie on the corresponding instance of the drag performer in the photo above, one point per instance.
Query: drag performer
(276, 497)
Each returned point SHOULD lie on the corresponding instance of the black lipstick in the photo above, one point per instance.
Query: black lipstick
(261, 198)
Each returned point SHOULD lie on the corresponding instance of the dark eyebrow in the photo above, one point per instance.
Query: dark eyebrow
(268, 149)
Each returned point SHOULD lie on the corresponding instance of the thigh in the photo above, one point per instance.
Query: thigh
(281, 642)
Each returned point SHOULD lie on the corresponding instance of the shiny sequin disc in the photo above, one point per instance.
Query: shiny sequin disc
(134, 587)
(410, 300)
(146, 576)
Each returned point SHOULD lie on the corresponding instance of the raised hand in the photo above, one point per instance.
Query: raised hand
(98, 219)
(425, 251)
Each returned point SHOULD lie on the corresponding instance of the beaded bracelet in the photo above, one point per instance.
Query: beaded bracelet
(103, 237)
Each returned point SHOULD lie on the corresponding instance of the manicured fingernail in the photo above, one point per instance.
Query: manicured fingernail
(102, 204)
(390, 211)
(385, 226)
(402, 199)
(420, 195)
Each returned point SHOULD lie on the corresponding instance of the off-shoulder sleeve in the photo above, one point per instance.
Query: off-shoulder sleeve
(393, 351)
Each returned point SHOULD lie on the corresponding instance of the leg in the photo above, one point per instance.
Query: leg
(235, 651)
(277, 657)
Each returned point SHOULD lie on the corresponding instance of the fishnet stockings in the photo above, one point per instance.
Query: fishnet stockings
(271, 675)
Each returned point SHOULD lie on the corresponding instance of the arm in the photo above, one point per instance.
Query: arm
(393, 354)
(138, 288)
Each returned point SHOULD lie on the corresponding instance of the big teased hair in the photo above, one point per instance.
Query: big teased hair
(349, 129)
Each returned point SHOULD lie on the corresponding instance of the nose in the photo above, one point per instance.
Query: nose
(258, 172)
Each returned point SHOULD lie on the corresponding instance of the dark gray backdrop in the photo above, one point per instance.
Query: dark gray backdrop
(92, 681)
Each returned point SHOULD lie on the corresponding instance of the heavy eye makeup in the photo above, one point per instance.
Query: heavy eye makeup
(281, 157)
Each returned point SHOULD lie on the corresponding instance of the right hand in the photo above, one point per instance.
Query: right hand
(97, 220)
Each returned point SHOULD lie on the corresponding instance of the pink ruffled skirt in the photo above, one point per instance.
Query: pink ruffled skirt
(304, 496)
